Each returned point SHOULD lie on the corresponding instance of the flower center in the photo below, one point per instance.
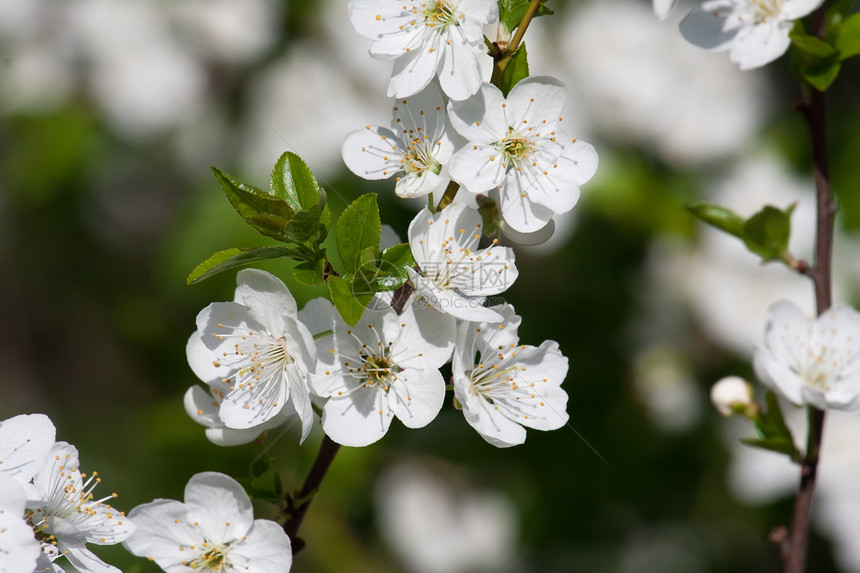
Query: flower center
(212, 560)
(764, 9)
(516, 147)
(419, 157)
(440, 14)
(378, 370)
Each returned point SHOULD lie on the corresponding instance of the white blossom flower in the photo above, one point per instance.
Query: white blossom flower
(662, 8)
(262, 352)
(387, 365)
(731, 394)
(203, 407)
(812, 361)
(510, 385)
(754, 32)
(214, 530)
(19, 548)
(426, 38)
(25, 443)
(66, 516)
(445, 247)
(517, 145)
(415, 149)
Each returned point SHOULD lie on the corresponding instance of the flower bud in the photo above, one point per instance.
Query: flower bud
(733, 395)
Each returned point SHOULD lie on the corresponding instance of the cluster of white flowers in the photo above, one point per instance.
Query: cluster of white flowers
(754, 32)
(47, 506)
(264, 361)
(513, 147)
(262, 365)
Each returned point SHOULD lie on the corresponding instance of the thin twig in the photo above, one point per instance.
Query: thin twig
(328, 450)
(504, 56)
(821, 274)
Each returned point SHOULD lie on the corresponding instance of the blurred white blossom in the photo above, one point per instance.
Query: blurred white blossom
(139, 75)
(643, 84)
(229, 31)
(437, 524)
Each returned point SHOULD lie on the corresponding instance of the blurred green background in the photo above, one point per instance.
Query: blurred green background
(106, 204)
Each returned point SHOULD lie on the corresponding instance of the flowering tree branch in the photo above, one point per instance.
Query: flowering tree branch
(794, 552)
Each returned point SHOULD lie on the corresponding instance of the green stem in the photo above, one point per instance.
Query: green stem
(504, 56)
(448, 197)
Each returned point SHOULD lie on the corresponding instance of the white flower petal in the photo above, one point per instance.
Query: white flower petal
(418, 396)
(202, 360)
(534, 99)
(372, 153)
(419, 184)
(19, 548)
(450, 302)
(359, 419)
(478, 168)
(415, 69)
(219, 505)
(775, 373)
(300, 396)
(164, 532)
(423, 111)
(796, 9)
(758, 45)
(267, 298)
(266, 549)
(427, 340)
(460, 72)
(518, 210)
(481, 118)
(496, 429)
(25, 443)
(85, 561)
(376, 18)
(202, 407)
(62, 459)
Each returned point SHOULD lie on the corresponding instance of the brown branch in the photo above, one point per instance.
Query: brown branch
(328, 450)
(815, 112)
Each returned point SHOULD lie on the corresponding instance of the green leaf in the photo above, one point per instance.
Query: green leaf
(515, 70)
(779, 445)
(813, 46)
(773, 432)
(512, 12)
(392, 267)
(848, 41)
(822, 74)
(719, 217)
(349, 304)
(294, 182)
(310, 273)
(267, 214)
(358, 228)
(264, 482)
(767, 232)
(231, 258)
(305, 225)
